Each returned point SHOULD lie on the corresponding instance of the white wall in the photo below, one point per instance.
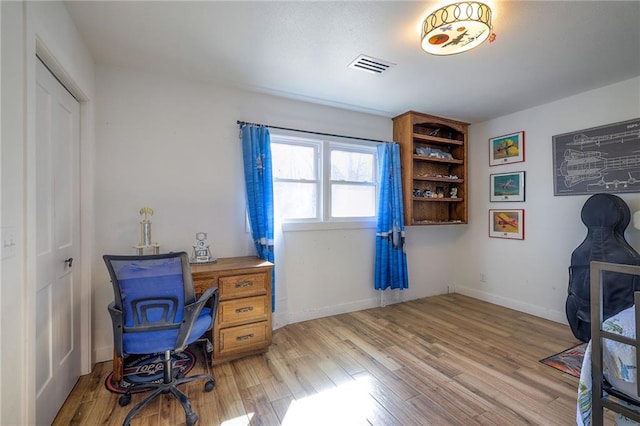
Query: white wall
(532, 275)
(173, 145)
(48, 26)
(0, 196)
(12, 330)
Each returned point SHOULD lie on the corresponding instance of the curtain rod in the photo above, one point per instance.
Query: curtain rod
(242, 123)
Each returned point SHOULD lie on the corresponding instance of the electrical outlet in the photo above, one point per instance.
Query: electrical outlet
(483, 278)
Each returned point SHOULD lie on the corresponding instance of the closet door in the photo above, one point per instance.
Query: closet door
(57, 243)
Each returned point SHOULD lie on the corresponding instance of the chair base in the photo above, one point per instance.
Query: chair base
(169, 385)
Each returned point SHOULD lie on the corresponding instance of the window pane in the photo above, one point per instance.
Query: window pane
(293, 161)
(353, 200)
(293, 200)
(352, 166)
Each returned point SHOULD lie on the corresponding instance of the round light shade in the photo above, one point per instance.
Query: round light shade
(456, 28)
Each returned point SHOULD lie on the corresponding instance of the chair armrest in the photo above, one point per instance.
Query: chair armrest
(211, 292)
(205, 296)
(117, 322)
(191, 313)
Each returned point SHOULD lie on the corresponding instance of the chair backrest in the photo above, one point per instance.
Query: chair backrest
(151, 290)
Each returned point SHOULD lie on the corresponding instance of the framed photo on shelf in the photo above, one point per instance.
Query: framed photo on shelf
(506, 223)
(506, 149)
(507, 187)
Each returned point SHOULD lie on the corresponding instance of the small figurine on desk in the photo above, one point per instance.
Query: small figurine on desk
(201, 252)
(439, 192)
(453, 193)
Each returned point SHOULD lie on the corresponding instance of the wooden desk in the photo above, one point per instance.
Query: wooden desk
(243, 323)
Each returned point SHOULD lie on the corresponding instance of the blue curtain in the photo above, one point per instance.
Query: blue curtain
(256, 153)
(391, 260)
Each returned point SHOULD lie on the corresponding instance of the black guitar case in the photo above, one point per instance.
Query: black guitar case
(606, 217)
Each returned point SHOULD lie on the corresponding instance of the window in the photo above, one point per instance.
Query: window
(353, 188)
(323, 181)
(296, 179)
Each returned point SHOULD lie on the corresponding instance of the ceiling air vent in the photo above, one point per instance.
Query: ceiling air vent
(369, 64)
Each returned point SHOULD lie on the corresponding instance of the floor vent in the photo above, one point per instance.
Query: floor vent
(369, 64)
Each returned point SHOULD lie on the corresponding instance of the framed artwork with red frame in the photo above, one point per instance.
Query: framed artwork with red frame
(506, 223)
(506, 149)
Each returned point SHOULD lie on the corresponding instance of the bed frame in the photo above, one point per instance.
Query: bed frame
(599, 401)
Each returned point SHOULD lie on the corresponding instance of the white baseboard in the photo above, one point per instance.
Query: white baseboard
(388, 297)
(293, 317)
(538, 311)
(104, 353)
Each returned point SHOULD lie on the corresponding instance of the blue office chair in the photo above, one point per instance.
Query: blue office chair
(155, 310)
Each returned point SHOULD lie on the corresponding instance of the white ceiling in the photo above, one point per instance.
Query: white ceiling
(543, 51)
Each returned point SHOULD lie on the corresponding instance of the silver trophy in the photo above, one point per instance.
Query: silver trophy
(145, 233)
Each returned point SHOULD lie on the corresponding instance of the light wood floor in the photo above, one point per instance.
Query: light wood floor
(444, 360)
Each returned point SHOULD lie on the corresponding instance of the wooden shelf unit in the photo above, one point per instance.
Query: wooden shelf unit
(414, 132)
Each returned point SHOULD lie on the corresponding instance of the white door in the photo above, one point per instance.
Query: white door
(57, 244)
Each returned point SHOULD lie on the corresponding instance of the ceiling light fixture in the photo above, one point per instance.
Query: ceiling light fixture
(456, 28)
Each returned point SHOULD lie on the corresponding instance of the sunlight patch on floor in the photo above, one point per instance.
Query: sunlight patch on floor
(347, 404)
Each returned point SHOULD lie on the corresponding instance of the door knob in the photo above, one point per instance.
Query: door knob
(69, 262)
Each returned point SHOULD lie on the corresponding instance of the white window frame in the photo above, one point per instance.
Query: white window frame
(328, 182)
(323, 219)
(317, 153)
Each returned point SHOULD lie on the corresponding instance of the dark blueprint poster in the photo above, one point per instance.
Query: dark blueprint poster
(600, 159)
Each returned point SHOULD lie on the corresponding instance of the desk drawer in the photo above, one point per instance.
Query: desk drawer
(200, 286)
(237, 311)
(243, 337)
(242, 286)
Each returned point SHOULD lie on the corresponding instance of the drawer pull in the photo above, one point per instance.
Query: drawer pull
(245, 309)
(245, 337)
(242, 284)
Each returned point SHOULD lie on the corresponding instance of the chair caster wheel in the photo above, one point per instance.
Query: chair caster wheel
(192, 419)
(180, 375)
(124, 399)
(208, 387)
